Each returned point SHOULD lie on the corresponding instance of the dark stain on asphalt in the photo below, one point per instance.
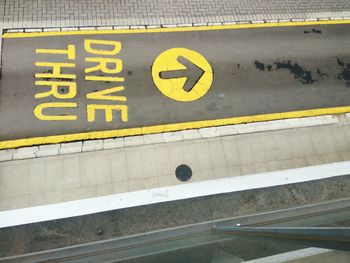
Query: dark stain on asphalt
(345, 74)
(269, 67)
(321, 74)
(304, 76)
(101, 75)
(260, 66)
(236, 69)
(299, 73)
(63, 90)
(51, 79)
(315, 31)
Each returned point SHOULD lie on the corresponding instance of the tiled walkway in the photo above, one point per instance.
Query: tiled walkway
(55, 179)
(56, 13)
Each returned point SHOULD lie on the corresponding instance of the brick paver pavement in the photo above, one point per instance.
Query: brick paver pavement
(40, 13)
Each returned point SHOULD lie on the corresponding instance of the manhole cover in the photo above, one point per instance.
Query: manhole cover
(183, 172)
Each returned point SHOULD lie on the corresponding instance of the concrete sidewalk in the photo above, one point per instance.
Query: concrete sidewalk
(71, 177)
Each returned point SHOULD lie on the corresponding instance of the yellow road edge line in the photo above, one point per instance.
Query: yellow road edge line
(169, 127)
(175, 29)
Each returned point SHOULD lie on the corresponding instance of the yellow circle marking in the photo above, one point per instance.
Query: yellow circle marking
(174, 88)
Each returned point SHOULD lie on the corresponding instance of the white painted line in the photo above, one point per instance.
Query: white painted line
(172, 193)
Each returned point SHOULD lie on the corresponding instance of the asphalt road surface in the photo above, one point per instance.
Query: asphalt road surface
(169, 77)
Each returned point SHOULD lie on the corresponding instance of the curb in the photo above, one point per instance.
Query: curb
(185, 135)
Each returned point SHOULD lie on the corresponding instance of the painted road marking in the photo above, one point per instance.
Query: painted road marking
(99, 84)
(195, 76)
(104, 62)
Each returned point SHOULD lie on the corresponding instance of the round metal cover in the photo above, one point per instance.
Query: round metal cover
(183, 173)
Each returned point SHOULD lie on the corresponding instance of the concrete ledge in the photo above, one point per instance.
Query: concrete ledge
(191, 134)
(48, 150)
(113, 143)
(6, 155)
(209, 132)
(172, 136)
(25, 153)
(71, 147)
(94, 145)
(153, 138)
(133, 140)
